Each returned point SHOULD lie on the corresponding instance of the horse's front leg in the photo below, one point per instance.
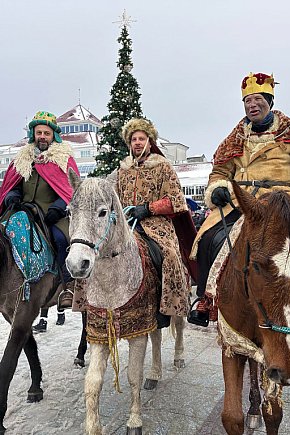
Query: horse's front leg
(8, 365)
(35, 392)
(93, 386)
(272, 416)
(232, 414)
(137, 349)
(156, 365)
(254, 418)
(179, 345)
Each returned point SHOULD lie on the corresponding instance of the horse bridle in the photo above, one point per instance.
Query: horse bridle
(96, 246)
(268, 323)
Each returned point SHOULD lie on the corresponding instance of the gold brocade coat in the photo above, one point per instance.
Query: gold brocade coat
(264, 157)
(149, 182)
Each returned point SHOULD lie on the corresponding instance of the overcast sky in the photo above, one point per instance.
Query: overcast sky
(189, 59)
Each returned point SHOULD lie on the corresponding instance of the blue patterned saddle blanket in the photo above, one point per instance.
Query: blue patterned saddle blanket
(35, 261)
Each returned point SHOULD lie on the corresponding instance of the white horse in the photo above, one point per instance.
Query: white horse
(104, 249)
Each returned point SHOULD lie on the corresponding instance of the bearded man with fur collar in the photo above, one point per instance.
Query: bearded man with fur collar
(38, 174)
(256, 154)
(148, 181)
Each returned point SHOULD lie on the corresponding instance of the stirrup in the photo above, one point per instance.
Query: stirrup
(65, 299)
(200, 318)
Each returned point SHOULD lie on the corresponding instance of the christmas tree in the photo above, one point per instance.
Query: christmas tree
(123, 106)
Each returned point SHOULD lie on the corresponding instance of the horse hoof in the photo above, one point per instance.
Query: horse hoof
(2, 429)
(179, 363)
(34, 397)
(134, 430)
(253, 421)
(150, 384)
(79, 362)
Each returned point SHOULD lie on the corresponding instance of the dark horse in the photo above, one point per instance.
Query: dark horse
(20, 314)
(254, 300)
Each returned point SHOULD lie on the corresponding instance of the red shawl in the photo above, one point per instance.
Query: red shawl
(50, 172)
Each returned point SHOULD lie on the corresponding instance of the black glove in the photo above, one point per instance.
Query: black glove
(52, 216)
(140, 212)
(13, 200)
(220, 196)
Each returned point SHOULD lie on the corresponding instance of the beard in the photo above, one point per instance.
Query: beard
(42, 145)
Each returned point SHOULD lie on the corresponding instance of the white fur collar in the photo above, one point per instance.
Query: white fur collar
(57, 153)
(151, 162)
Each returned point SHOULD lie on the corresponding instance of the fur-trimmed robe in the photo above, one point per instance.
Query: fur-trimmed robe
(149, 182)
(246, 156)
(51, 166)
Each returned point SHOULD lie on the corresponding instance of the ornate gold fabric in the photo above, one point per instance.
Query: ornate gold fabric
(137, 317)
(150, 182)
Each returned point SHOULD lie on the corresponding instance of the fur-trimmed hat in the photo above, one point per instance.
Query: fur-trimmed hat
(139, 124)
(44, 118)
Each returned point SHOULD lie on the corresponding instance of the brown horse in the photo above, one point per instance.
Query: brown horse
(20, 314)
(254, 303)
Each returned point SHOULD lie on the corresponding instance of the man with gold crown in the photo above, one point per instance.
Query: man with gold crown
(38, 174)
(256, 154)
(148, 181)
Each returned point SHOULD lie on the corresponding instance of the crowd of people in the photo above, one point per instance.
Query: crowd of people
(258, 149)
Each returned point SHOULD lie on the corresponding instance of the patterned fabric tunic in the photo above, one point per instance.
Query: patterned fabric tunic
(149, 182)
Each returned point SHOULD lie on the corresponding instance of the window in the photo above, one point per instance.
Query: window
(76, 128)
(67, 129)
(200, 190)
(81, 127)
(86, 127)
(71, 128)
(86, 153)
(63, 129)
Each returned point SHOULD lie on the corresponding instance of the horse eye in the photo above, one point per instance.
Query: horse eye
(103, 212)
(256, 266)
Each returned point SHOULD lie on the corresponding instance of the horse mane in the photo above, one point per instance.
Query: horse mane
(278, 204)
(92, 187)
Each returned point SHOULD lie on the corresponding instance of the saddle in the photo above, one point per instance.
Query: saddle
(30, 248)
(219, 236)
(154, 251)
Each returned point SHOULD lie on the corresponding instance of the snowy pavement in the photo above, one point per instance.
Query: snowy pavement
(186, 402)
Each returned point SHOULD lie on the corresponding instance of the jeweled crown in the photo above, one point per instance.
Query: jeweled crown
(258, 83)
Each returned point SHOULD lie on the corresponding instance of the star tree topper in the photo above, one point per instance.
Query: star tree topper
(125, 20)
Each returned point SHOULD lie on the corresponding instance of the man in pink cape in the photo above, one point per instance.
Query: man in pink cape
(38, 174)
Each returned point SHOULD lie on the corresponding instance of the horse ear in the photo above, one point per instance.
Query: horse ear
(250, 206)
(74, 179)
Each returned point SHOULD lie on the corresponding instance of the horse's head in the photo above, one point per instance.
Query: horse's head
(97, 225)
(266, 232)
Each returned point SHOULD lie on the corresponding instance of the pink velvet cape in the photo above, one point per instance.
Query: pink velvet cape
(50, 172)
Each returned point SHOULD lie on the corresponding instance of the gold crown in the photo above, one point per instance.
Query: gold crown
(258, 83)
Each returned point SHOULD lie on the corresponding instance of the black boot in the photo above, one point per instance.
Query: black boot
(65, 299)
(199, 316)
(163, 321)
(60, 319)
(40, 327)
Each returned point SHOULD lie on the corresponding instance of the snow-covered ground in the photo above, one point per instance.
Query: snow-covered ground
(62, 410)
